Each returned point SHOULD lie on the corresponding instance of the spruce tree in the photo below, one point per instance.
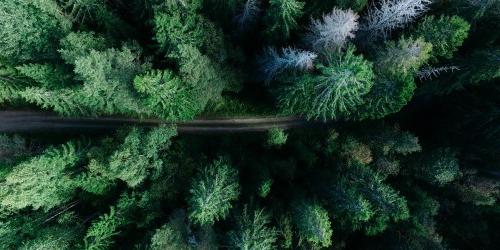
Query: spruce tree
(212, 192)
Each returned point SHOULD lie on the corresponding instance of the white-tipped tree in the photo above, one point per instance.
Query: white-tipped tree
(249, 14)
(332, 32)
(389, 15)
(290, 59)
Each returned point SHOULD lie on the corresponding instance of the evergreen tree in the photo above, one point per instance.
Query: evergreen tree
(438, 167)
(313, 224)
(282, 17)
(446, 34)
(333, 94)
(101, 232)
(43, 182)
(212, 192)
(253, 231)
(171, 236)
(31, 30)
(356, 5)
(166, 95)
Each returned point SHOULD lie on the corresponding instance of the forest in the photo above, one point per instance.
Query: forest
(395, 107)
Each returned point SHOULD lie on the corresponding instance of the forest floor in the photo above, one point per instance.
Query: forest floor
(32, 121)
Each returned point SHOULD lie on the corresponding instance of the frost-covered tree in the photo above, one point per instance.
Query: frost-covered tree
(212, 192)
(282, 17)
(253, 231)
(249, 14)
(332, 32)
(273, 63)
(388, 15)
(332, 94)
(433, 72)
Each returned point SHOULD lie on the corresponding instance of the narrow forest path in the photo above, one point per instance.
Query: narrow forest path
(28, 121)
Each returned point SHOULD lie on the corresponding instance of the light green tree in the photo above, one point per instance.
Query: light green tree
(313, 224)
(253, 231)
(212, 192)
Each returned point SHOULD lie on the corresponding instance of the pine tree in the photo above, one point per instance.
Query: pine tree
(30, 30)
(212, 192)
(253, 231)
(438, 167)
(166, 95)
(42, 182)
(79, 44)
(405, 56)
(356, 5)
(139, 155)
(333, 94)
(276, 137)
(12, 148)
(282, 17)
(446, 34)
(171, 236)
(205, 78)
(181, 25)
(313, 224)
(102, 231)
(46, 75)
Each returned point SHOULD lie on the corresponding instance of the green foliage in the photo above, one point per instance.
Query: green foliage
(79, 44)
(478, 190)
(405, 56)
(276, 137)
(282, 17)
(102, 231)
(30, 30)
(46, 75)
(446, 34)
(139, 155)
(180, 24)
(363, 201)
(42, 182)
(171, 236)
(356, 5)
(166, 95)
(212, 192)
(313, 224)
(334, 93)
(108, 78)
(438, 167)
(12, 148)
(204, 78)
(253, 231)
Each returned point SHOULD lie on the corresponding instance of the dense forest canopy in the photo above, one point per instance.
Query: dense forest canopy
(408, 90)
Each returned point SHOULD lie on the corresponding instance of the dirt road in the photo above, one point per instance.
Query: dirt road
(27, 121)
